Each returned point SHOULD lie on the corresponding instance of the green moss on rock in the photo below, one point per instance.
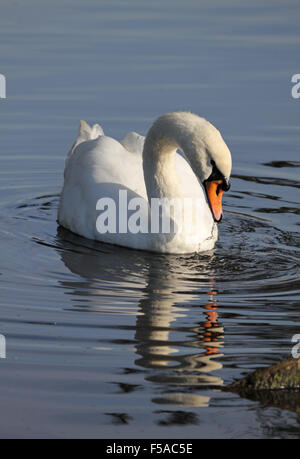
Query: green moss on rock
(277, 385)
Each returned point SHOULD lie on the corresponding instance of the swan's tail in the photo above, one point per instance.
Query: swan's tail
(86, 132)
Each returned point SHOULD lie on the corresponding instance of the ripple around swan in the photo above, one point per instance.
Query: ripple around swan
(263, 259)
(260, 253)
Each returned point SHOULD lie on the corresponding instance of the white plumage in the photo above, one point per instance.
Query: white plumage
(98, 166)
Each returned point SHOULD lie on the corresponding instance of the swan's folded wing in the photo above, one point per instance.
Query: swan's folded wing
(133, 142)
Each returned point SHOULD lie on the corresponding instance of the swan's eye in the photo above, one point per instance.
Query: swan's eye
(215, 174)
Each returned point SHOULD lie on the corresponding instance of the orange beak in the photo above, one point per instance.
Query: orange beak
(214, 193)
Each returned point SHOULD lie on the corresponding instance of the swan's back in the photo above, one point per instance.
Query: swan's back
(95, 168)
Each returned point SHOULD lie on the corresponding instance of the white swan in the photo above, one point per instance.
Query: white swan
(98, 166)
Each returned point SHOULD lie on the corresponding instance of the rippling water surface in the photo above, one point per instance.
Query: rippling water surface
(109, 342)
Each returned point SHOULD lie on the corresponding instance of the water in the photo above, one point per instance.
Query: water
(109, 342)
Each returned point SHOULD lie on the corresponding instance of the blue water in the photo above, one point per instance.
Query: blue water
(106, 342)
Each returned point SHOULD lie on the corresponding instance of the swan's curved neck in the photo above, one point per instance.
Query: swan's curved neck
(167, 134)
(159, 163)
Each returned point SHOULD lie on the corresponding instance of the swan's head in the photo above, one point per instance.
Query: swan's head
(210, 160)
(203, 146)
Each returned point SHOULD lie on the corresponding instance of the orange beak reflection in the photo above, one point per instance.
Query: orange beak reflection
(214, 193)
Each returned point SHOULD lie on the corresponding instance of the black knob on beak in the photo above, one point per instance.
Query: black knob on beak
(225, 184)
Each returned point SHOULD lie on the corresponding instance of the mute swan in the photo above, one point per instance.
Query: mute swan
(129, 176)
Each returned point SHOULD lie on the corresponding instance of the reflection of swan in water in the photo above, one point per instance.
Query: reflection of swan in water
(158, 350)
(164, 284)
